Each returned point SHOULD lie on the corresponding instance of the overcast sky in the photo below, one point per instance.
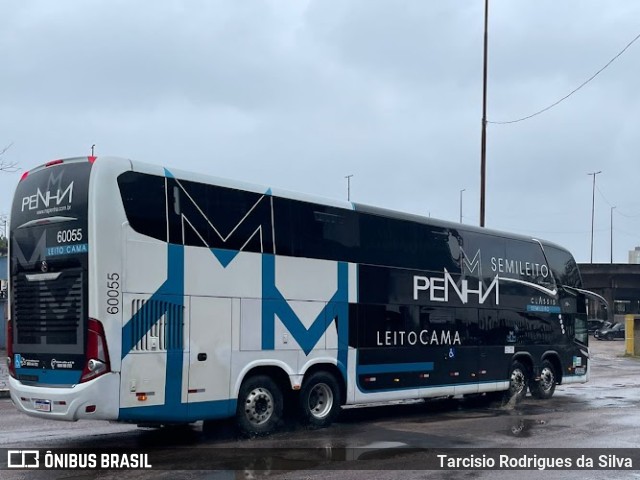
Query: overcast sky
(298, 94)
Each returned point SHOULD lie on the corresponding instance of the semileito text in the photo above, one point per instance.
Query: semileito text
(518, 267)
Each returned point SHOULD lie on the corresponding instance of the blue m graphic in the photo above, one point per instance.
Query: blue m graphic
(336, 310)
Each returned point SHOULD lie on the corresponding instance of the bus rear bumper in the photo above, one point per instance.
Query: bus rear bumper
(568, 379)
(97, 399)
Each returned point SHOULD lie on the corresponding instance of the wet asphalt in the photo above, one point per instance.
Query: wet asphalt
(389, 441)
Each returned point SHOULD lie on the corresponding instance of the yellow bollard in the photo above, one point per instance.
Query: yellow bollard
(628, 334)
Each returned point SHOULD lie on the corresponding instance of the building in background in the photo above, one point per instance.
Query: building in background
(634, 256)
(618, 283)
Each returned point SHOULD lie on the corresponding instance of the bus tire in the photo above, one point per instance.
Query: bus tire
(519, 377)
(259, 409)
(544, 388)
(320, 399)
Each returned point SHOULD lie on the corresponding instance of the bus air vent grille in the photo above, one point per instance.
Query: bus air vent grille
(157, 325)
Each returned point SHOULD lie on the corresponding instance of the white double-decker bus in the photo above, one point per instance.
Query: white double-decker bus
(147, 295)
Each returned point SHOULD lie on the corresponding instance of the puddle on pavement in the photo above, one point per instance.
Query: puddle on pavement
(521, 427)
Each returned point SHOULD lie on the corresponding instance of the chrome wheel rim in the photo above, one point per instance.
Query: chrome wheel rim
(259, 406)
(546, 379)
(320, 400)
(518, 383)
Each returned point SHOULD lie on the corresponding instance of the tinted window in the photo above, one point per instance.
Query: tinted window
(315, 231)
(399, 243)
(144, 201)
(525, 260)
(57, 191)
(481, 254)
(217, 217)
(564, 267)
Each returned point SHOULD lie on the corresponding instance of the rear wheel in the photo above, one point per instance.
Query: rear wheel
(320, 399)
(545, 387)
(518, 380)
(259, 408)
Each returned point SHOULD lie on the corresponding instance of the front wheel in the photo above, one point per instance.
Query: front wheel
(320, 399)
(259, 409)
(518, 380)
(544, 388)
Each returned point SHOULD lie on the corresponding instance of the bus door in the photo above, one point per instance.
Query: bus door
(497, 345)
(209, 357)
(466, 352)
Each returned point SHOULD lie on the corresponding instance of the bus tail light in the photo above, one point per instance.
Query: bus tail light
(96, 355)
(10, 359)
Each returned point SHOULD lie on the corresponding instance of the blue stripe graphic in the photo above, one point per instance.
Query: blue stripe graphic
(52, 377)
(544, 308)
(395, 368)
(197, 411)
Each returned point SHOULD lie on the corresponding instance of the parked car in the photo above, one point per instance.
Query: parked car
(595, 324)
(610, 333)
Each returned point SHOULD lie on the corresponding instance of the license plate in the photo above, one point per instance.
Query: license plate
(43, 405)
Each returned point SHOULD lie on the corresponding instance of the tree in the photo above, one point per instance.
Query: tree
(6, 165)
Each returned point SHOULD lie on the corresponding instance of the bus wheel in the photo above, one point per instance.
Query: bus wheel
(518, 381)
(545, 387)
(320, 399)
(259, 408)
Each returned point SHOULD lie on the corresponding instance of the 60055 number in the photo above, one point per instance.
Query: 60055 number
(113, 293)
(73, 235)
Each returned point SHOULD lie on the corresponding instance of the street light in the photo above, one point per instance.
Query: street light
(348, 177)
(483, 138)
(593, 203)
(461, 203)
(612, 234)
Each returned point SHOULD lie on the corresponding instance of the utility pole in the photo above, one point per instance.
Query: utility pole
(593, 203)
(483, 141)
(348, 177)
(461, 203)
(612, 234)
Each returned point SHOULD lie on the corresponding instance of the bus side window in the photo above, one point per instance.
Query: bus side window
(146, 212)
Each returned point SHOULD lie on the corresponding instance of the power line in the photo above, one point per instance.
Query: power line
(603, 197)
(573, 91)
(629, 216)
(618, 212)
(628, 234)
